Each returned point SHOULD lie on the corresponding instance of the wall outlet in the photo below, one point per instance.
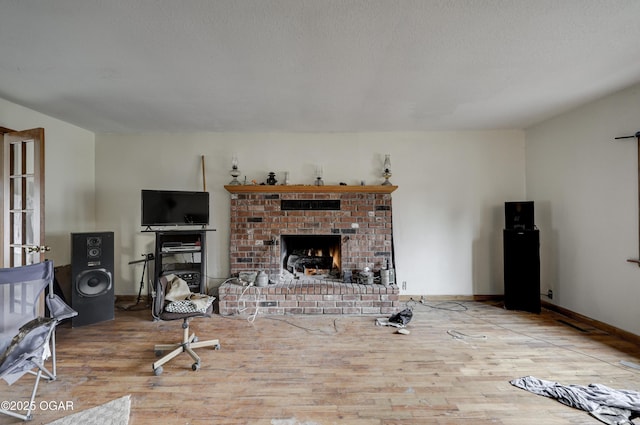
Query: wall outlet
(550, 294)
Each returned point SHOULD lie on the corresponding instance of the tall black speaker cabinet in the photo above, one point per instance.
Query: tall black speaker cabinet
(92, 289)
(522, 269)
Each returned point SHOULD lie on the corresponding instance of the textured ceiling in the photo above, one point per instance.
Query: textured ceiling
(313, 65)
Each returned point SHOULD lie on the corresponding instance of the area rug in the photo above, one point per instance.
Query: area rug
(115, 412)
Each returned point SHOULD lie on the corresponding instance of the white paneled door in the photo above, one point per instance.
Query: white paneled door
(23, 198)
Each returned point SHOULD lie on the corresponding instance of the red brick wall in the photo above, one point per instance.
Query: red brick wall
(363, 221)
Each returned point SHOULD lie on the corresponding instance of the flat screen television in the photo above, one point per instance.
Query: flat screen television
(174, 208)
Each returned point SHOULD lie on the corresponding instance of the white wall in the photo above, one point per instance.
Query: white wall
(585, 185)
(69, 176)
(448, 209)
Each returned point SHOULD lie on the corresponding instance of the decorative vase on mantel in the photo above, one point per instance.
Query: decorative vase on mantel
(271, 180)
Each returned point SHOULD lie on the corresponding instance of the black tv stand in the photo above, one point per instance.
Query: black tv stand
(182, 252)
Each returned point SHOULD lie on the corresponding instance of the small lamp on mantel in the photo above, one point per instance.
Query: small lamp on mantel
(235, 172)
(386, 170)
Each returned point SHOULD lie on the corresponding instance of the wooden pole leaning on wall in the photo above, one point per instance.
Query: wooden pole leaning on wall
(637, 136)
(204, 178)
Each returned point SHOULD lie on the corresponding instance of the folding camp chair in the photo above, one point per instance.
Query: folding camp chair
(27, 339)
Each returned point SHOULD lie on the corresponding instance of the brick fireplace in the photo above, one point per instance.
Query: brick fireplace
(313, 242)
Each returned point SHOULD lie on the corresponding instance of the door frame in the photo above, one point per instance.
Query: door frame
(3, 130)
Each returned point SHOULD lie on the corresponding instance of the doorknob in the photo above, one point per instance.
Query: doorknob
(42, 248)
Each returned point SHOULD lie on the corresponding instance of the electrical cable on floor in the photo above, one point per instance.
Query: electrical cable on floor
(244, 291)
(459, 335)
(460, 307)
(335, 326)
(620, 365)
(288, 322)
(251, 317)
(456, 334)
(239, 310)
(456, 305)
(255, 313)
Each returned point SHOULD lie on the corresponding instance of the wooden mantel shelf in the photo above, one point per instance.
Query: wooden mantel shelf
(294, 188)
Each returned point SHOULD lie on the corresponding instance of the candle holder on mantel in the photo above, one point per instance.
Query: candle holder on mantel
(319, 181)
(386, 172)
(234, 172)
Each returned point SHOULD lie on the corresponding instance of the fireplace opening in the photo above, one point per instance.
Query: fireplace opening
(310, 255)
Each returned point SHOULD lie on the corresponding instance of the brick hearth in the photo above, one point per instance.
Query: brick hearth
(360, 215)
(309, 297)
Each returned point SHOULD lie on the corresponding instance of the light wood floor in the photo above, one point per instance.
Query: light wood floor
(453, 368)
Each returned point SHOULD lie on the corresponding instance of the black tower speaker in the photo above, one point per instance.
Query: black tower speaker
(522, 270)
(92, 289)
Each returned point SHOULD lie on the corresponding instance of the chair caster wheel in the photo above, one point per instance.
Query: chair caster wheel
(158, 353)
(195, 339)
(216, 347)
(157, 371)
(195, 366)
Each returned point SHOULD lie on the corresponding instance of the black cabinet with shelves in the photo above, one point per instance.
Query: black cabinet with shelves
(183, 253)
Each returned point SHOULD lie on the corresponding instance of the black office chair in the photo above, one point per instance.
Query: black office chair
(162, 311)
